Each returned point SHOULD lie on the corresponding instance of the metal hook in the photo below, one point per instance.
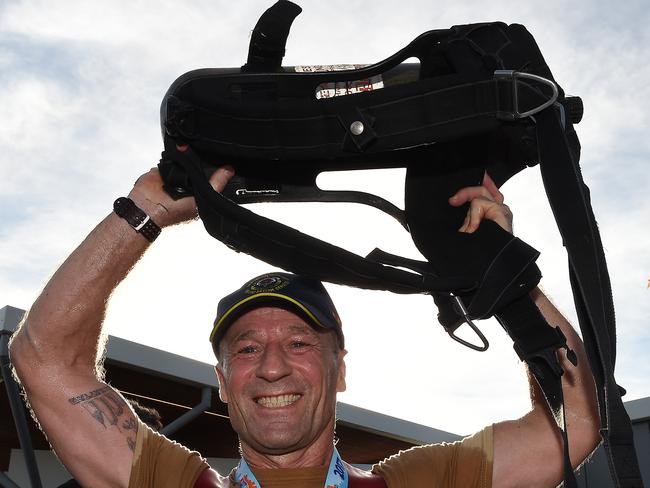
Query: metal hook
(474, 327)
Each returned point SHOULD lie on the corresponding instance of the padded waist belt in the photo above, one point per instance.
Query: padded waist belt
(481, 99)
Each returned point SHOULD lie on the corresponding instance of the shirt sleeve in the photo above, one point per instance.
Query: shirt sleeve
(463, 464)
(161, 463)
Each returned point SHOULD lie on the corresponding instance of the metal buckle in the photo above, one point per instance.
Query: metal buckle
(477, 331)
(514, 76)
(143, 223)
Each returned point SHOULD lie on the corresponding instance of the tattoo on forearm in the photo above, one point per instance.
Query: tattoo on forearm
(107, 407)
(89, 396)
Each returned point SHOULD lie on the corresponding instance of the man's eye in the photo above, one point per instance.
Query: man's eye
(299, 344)
(247, 350)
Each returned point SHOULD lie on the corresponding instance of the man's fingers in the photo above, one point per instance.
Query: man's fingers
(488, 190)
(221, 176)
(148, 191)
(469, 193)
(491, 187)
(486, 202)
(477, 210)
(481, 209)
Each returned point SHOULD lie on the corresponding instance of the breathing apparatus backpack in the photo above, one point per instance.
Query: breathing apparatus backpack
(480, 99)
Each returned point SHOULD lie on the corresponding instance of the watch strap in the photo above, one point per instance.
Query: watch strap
(141, 222)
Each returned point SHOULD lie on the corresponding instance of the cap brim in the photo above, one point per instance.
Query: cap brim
(246, 304)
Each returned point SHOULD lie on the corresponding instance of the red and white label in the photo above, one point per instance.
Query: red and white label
(341, 88)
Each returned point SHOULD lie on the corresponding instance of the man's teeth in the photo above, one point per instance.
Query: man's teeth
(277, 401)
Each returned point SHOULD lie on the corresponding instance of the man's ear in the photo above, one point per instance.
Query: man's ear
(223, 393)
(340, 381)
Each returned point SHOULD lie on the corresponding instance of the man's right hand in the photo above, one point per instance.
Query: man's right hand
(148, 194)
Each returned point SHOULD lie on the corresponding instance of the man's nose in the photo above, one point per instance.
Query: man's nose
(274, 364)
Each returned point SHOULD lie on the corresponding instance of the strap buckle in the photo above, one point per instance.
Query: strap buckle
(547, 355)
(451, 331)
(514, 76)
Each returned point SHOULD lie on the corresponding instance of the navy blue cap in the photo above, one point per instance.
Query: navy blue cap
(305, 296)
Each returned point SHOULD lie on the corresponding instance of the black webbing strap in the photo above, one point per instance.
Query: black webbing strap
(569, 199)
(287, 248)
(319, 130)
(537, 343)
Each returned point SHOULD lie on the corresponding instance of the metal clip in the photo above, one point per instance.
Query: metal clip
(477, 331)
(514, 76)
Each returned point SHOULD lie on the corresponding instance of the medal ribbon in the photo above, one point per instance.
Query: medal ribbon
(337, 476)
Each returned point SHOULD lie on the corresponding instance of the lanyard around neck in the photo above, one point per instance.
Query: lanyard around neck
(337, 476)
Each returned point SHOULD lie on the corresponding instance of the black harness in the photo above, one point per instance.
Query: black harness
(481, 99)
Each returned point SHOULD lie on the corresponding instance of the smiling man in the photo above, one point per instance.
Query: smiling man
(278, 375)
(280, 351)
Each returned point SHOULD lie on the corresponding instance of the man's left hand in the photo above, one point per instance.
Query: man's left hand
(486, 202)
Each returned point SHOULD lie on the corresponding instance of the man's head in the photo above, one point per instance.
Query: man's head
(279, 344)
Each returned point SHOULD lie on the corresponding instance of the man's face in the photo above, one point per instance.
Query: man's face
(280, 377)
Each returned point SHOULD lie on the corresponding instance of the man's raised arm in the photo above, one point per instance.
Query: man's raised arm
(57, 349)
(528, 451)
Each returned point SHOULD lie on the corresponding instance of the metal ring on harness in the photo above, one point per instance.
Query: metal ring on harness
(514, 76)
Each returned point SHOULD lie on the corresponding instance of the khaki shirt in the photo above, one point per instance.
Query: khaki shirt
(161, 463)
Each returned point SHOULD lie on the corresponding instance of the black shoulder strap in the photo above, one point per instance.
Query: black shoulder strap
(269, 37)
(569, 199)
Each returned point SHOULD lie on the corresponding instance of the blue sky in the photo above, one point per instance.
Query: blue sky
(80, 88)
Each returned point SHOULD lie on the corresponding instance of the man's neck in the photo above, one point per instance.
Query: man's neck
(317, 454)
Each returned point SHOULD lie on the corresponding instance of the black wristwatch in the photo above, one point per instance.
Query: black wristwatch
(137, 218)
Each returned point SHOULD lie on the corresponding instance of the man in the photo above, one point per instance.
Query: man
(279, 372)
